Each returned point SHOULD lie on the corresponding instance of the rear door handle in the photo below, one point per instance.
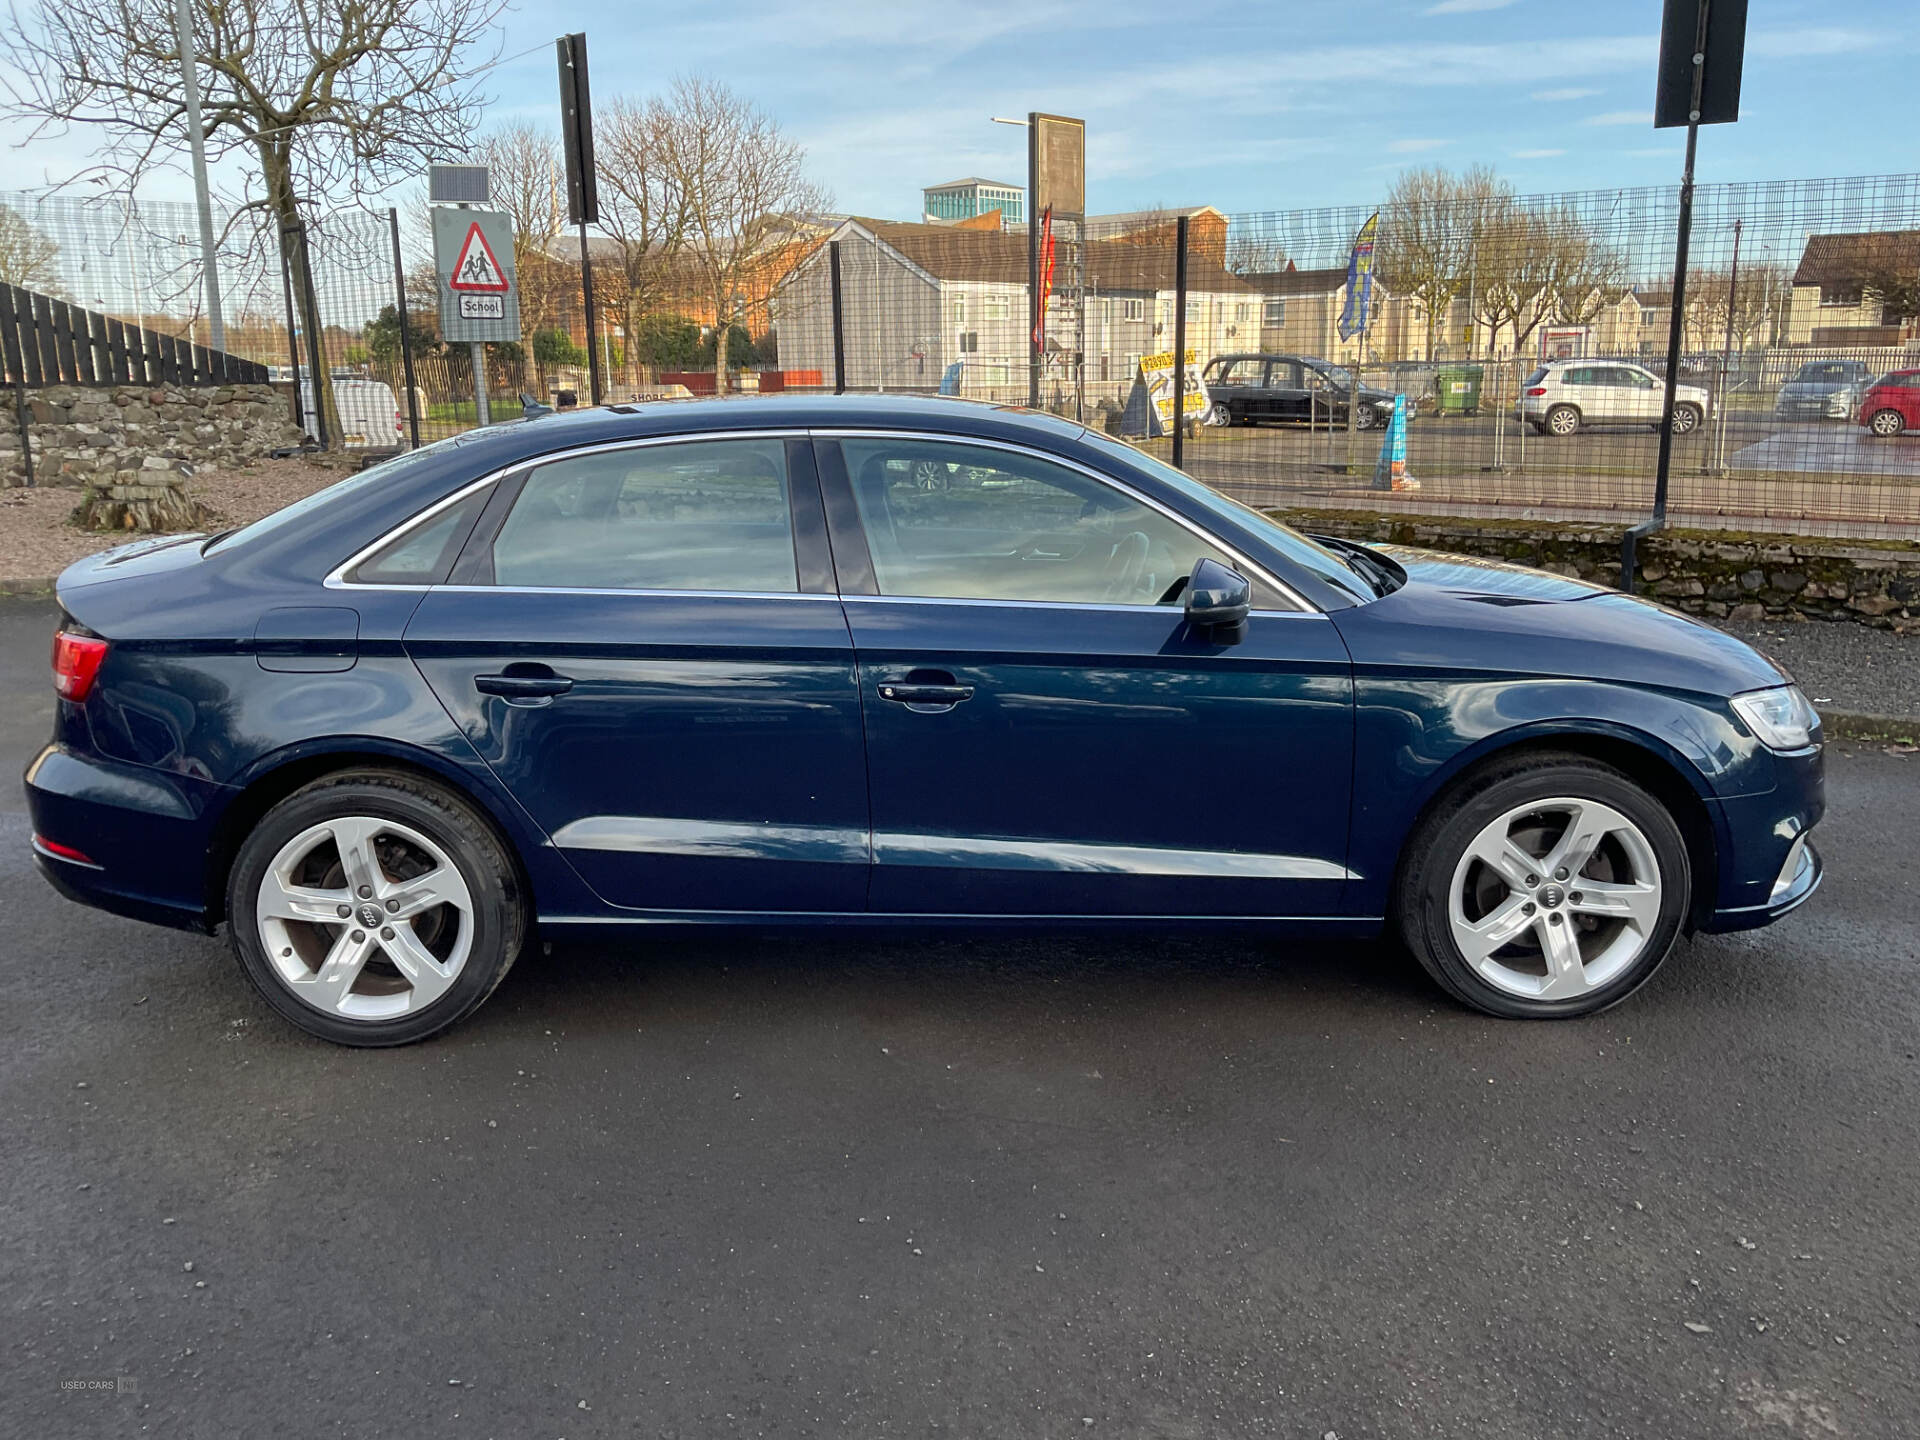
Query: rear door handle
(510, 686)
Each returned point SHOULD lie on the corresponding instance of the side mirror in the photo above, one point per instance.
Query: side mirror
(1218, 601)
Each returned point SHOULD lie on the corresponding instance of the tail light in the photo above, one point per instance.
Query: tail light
(1538, 390)
(398, 427)
(76, 661)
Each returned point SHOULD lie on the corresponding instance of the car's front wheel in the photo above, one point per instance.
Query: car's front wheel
(375, 908)
(1368, 418)
(1686, 419)
(1218, 415)
(1887, 423)
(1544, 888)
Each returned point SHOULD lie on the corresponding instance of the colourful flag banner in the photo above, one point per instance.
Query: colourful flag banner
(1353, 316)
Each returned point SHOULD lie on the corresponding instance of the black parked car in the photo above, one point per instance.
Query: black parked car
(1289, 389)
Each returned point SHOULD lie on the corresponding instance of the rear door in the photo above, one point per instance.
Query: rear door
(1288, 396)
(1045, 735)
(643, 642)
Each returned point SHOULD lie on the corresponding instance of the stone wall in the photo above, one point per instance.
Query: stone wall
(93, 434)
(1723, 575)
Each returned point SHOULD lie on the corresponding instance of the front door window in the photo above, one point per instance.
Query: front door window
(954, 521)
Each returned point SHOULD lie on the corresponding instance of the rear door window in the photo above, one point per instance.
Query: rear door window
(692, 515)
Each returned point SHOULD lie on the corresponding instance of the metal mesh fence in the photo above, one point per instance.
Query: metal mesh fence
(1525, 336)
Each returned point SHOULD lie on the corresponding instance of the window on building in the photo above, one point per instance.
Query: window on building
(1240, 312)
(996, 307)
(1193, 307)
(960, 311)
(1846, 293)
(1133, 309)
(1276, 312)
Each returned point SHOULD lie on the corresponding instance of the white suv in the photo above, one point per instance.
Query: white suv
(1563, 395)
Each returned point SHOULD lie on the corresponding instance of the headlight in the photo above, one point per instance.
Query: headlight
(1780, 718)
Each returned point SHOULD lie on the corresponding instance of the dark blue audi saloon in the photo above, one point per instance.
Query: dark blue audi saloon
(883, 661)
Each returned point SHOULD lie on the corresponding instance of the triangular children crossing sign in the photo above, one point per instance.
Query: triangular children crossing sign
(476, 269)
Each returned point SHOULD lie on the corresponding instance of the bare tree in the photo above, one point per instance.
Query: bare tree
(747, 199)
(324, 101)
(1588, 273)
(1425, 246)
(644, 205)
(1720, 298)
(28, 258)
(524, 179)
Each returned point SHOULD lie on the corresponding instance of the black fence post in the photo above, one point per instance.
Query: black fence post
(1179, 340)
(406, 329)
(839, 332)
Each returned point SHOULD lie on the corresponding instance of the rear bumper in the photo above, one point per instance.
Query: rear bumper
(144, 834)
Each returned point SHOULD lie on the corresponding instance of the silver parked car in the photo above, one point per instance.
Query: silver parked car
(1564, 395)
(1823, 390)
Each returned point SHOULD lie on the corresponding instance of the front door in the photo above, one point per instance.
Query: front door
(643, 644)
(1044, 733)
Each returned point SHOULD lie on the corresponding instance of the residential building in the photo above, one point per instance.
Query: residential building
(918, 298)
(973, 197)
(1829, 304)
(1300, 315)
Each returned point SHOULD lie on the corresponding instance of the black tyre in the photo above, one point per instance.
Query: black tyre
(375, 908)
(1544, 887)
(1886, 423)
(1368, 419)
(1686, 419)
(1563, 420)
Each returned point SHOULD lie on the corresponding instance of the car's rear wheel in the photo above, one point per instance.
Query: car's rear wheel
(1544, 888)
(1887, 423)
(1686, 419)
(374, 908)
(1563, 420)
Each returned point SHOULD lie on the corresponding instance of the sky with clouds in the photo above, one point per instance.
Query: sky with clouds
(1249, 105)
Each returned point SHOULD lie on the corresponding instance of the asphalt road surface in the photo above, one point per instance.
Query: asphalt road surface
(980, 1187)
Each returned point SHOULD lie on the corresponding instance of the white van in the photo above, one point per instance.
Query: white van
(370, 416)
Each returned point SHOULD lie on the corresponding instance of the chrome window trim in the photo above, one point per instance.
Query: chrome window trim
(336, 578)
(591, 590)
(1258, 571)
(1172, 610)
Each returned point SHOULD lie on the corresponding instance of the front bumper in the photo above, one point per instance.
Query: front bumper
(1768, 864)
(1837, 406)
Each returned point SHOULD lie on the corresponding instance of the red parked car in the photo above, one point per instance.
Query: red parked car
(1892, 403)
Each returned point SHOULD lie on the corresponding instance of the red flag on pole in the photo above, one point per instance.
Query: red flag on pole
(1046, 276)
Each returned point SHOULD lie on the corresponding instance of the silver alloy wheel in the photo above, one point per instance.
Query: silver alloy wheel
(1218, 415)
(1563, 420)
(1887, 422)
(365, 919)
(1555, 899)
(1685, 419)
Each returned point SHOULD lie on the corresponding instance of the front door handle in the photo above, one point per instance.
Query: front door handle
(529, 684)
(928, 699)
